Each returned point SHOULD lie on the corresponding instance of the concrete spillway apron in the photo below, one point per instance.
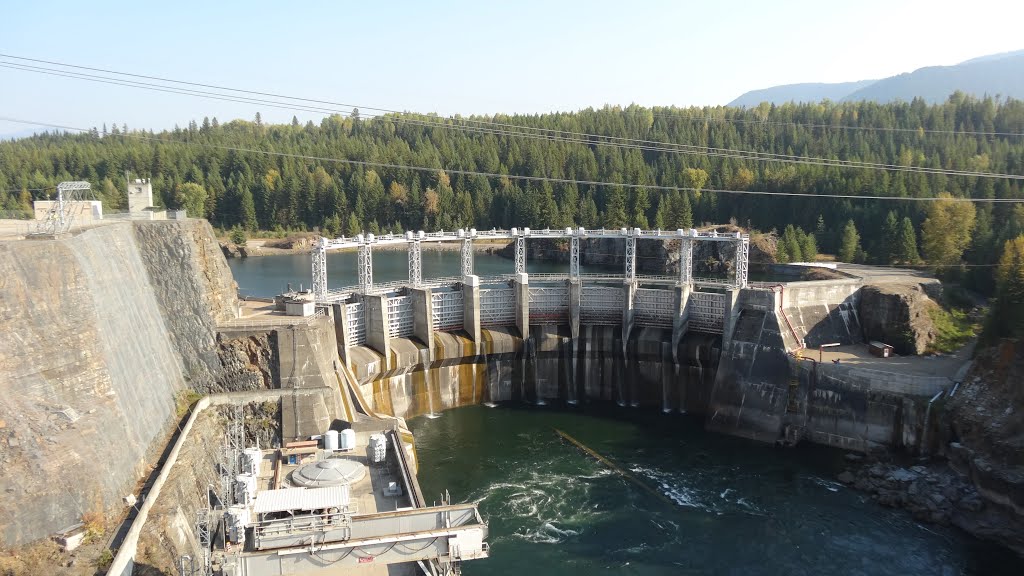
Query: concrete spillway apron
(615, 468)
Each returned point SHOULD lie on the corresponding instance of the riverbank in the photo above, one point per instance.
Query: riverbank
(935, 492)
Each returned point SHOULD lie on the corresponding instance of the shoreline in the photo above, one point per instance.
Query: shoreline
(933, 491)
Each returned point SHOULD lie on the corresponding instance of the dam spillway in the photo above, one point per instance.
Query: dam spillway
(720, 347)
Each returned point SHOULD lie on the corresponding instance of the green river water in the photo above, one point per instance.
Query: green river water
(736, 507)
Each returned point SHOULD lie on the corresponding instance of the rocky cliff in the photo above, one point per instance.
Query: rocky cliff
(100, 334)
(987, 416)
(189, 275)
(897, 314)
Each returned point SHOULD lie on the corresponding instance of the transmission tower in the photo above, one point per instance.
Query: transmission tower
(234, 442)
(60, 215)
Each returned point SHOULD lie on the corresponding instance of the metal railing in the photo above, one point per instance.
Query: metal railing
(269, 321)
(342, 294)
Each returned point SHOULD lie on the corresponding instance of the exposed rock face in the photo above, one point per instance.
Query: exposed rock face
(987, 415)
(87, 378)
(230, 250)
(937, 493)
(247, 363)
(99, 334)
(898, 315)
(191, 280)
(250, 251)
(168, 532)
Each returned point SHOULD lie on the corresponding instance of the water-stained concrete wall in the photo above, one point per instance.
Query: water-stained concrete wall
(547, 367)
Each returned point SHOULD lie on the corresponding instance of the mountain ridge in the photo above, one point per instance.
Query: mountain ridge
(994, 74)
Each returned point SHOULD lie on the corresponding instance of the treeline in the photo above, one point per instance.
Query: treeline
(213, 170)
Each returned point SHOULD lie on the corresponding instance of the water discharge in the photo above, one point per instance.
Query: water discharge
(739, 507)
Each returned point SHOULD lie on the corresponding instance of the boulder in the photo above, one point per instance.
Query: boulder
(230, 250)
(897, 314)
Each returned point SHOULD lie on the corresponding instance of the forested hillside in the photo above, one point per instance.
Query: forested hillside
(307, 181)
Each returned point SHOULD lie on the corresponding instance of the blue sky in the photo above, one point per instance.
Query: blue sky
(472, 56)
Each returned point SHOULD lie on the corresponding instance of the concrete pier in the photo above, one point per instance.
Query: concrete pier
(471, 307)
(422, 318)
(521, 288)
(680, 318)
(378, 337)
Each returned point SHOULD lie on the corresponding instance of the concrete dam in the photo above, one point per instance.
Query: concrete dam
(111, 333)
(723, 347)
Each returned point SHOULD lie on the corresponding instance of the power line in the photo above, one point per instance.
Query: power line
(427, 169)
(386, 110)
(537, 134)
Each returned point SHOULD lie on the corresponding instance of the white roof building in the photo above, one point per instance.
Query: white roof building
(301, 499)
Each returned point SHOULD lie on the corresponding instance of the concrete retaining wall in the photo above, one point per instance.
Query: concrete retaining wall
(822, 312)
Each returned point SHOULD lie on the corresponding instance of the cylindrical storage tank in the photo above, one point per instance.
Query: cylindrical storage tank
(251, 461)
(348, 439)
(331, 440)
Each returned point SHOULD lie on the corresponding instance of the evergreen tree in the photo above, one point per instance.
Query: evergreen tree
(638, 211)
(849, 244)
(821, 233)
(682, 213)
(791, 243)
(890, 238)
(782, 255)
(247, 209)
(588, 214)
(906, 246)
(353, 228)
(615, 213)
(808, 248)
(662, 215)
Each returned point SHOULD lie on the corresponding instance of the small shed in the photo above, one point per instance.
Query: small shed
(299, 308)
(880, 349)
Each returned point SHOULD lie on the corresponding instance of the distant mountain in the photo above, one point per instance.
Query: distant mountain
(809, 92)
(1001, 74)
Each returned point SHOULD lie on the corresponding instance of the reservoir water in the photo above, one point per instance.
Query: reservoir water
(270, 275)
(726, 505)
